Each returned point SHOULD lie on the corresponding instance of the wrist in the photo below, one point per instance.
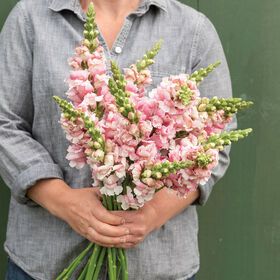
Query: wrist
(51, 194)
(154, 215)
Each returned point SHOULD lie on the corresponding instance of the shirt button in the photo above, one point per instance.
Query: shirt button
(118, 50)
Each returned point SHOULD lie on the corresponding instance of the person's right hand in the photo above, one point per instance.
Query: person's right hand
(83, 211)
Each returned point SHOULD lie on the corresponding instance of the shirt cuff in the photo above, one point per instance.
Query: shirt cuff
(205, 191)
(30, 176)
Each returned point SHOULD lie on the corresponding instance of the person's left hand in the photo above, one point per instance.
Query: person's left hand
(155, 213)
(140, 223)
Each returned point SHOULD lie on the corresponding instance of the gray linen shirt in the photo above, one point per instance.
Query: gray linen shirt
(35, 43)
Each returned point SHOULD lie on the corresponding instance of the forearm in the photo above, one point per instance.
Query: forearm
(49, 193)
(167, 204)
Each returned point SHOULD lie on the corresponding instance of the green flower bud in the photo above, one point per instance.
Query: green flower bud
(204, 100)
(86, 43)
(158, 175)
(165, 170)
(131, 116)
(73, 115)
(200, 74)
(147, 173)
(148, 57)
(96, 145)
(202, 107)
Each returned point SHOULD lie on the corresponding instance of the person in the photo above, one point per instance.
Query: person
(53, 209)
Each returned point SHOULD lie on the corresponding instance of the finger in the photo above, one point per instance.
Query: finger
(103, 215)
(134, 239)
(137, 230)
(128, 216)
(126, 245)
(108, 230)
(93, 236)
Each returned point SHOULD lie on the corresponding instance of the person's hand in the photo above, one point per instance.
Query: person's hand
(85, 213)
(82, 210)
(155, 213)
(140, 223)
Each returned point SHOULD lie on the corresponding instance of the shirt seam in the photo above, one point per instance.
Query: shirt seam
(22, 10)
(194, 47)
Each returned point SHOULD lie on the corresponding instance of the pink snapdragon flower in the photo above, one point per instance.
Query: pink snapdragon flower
(141, 79)
(128, 200)
(76, 156)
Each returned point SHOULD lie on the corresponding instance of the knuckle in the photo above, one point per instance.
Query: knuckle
(89, 237)
(121, 240)
(99, 228)
(142, 230)
(92, 235)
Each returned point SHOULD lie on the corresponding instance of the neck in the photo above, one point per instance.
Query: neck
(114, 7)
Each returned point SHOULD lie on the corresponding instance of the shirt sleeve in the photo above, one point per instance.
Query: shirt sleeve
(23, 160)
(207, 49)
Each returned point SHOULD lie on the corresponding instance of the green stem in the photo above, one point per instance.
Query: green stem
(119, 267)
(122, 268)
(104, 201)
(114, 256)
(67, 272)
(109, 203)
(110, 251)
(84, 272)
(99, 263)
(114, 252)
(93, 262)
(123, 264)
(110, 264)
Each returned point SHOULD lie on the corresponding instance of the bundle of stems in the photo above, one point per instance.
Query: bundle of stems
(96, 256)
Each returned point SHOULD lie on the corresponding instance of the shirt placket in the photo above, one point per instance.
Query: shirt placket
(119, 43)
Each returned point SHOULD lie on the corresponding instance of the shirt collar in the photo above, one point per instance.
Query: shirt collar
(159, 3)
(74, 5)
(59, 5)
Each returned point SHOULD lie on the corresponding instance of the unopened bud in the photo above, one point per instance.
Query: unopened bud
(121, 109)
(158, 175)
(147, 173)
(227, 142)
(204, 100)
(131, 116)
(96, 145)
(202, 107)
(165, 170)
(86, 42)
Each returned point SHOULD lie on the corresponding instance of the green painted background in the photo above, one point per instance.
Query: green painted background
(240, 225)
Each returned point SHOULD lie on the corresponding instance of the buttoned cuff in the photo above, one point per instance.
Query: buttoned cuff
(30, 176)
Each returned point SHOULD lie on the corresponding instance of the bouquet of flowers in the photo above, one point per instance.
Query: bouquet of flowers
(138, 142)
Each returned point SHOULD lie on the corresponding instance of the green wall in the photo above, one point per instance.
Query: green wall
(240, 225)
